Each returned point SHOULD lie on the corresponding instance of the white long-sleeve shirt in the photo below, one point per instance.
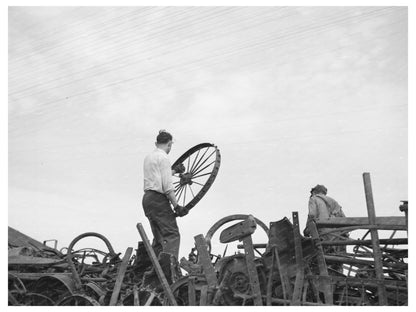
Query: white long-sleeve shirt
(157, 172)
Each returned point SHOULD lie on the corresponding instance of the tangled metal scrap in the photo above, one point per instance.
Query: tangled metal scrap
(289, 269)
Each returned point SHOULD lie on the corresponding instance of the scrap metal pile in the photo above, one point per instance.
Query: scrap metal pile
(326, 268)
(289, 269)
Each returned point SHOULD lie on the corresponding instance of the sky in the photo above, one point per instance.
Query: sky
(292, 97)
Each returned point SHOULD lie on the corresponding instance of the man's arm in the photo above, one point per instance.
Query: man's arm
(172, 198)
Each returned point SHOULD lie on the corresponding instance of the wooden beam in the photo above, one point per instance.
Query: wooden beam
(390, 222)
(366, 242)
(378, 264)
(120, 276)
(156, 265)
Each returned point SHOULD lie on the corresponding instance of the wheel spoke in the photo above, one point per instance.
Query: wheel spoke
(197, 183)
(176, 182)
(201, 175)
(200, 165)
(193, 163)
(189, 160)
(205, 167)
(180, 192)
(199, 160)
(193, 195)
(184, 196)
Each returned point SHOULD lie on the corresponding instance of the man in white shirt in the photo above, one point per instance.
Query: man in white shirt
(160, 194)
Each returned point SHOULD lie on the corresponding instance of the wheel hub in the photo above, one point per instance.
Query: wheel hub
(186, 178)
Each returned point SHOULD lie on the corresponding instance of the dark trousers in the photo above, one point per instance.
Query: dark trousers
(162, 220)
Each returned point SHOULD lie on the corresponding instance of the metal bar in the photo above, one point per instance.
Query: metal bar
(120, 276)
(150, 299)
(297, 289)
(382, 296)
(356, 281)
(362, 261)
(156, 264)
(136, 300)
(252, 270)
(74, 272)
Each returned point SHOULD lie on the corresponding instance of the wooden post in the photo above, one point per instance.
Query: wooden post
(156, 264)
(120, 276)
(205, 260)
(191, 291)
(323, 270)
(297, 289)
(252, 270)
(382, 296)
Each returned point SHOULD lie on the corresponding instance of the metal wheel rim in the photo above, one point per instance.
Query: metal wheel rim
(199, 167)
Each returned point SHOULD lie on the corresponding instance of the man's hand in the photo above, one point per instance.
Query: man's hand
(179, 168)
(181, 211)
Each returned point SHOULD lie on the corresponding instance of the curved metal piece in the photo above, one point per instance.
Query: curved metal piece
(78, 300)
(227, 219)
(196, 168)
(36, 299)
(93, 234)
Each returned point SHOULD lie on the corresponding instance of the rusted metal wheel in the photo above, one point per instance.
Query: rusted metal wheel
(180, 290)
(16, 289)
(36, 299)
(202, 163)
(78, 300)
(234, 276)
(54, 286)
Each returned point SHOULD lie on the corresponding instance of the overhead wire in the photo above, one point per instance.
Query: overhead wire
(202, 59)
(193, 87)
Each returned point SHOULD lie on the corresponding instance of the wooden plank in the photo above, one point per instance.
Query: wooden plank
(120, 276)
(378, 263)
(205, 260)
(156, 264)
(297, 289)
(252, 270)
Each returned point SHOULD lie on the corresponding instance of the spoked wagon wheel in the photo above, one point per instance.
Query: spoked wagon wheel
(202, 163)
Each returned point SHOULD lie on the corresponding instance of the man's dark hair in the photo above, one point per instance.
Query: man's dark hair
(163, 137)
(319, 189)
